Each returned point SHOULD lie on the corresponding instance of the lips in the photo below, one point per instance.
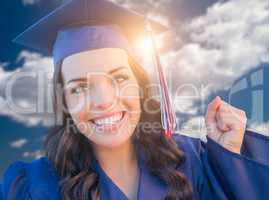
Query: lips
(109, 119)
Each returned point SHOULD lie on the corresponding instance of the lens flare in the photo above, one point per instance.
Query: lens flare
(144, 47)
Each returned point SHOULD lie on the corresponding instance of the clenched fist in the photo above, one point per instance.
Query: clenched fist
(225, 124)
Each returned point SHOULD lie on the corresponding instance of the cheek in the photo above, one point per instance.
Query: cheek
(76, 108)
(130, 89)
(74, 103)
(130, 96)
(81, 122)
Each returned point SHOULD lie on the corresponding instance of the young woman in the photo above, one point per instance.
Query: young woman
(108, 142)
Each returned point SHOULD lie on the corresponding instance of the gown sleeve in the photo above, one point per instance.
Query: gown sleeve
(15, 184)
(256, 146)
(217, 173)
(1, 192)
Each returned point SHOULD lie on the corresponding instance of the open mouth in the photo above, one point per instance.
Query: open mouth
(112, 120)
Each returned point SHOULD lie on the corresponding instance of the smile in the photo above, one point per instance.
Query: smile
(111, 122)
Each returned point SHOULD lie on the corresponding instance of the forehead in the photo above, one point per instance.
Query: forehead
(93, 61)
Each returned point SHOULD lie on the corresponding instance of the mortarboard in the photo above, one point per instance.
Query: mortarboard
(42, 34)
(80, 25)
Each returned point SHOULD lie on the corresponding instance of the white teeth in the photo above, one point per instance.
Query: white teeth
(109, 120)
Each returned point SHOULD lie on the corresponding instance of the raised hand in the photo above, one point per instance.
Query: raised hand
(226, 124)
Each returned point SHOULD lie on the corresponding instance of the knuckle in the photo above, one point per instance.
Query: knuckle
(243, 113)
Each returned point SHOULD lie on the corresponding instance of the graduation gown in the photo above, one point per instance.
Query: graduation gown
(214, 172)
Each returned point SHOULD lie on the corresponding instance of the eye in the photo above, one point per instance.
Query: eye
(120, 78)
(77, 90)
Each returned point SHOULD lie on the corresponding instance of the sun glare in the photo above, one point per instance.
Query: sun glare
(145, 45)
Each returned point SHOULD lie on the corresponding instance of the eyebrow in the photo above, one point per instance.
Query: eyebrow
(85, 79)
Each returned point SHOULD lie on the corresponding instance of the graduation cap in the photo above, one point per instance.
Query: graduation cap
(81, 25)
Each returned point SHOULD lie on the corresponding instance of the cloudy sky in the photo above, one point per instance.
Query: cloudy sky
(212, 48)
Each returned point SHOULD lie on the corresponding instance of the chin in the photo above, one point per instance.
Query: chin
(110, 141)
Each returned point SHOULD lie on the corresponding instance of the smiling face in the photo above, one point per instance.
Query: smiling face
(102, 95)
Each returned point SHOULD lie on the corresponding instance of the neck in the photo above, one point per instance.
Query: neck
(121, 165)
(113, 159)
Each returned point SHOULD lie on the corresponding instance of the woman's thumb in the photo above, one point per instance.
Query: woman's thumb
(212, 110)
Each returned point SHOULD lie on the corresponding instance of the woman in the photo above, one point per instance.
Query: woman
(107, 142)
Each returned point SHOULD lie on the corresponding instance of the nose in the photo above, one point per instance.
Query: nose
(103, 97)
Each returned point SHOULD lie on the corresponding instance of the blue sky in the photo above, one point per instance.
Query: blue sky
(15, 17)
(213, 48)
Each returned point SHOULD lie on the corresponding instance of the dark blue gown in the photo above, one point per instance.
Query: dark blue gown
(214, 172)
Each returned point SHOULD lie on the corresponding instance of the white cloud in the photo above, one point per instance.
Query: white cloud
(143, 5)
(35, 154)
(18, 143)
(230, 39)
(30, 2)
(194, 127)
(262, 128)
(25, 91)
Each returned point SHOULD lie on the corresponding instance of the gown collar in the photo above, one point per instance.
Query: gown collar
(150, 187)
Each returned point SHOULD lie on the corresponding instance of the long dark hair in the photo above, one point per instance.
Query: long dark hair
(70, 151)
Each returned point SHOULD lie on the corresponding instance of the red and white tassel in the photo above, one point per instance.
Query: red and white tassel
(168, 117)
